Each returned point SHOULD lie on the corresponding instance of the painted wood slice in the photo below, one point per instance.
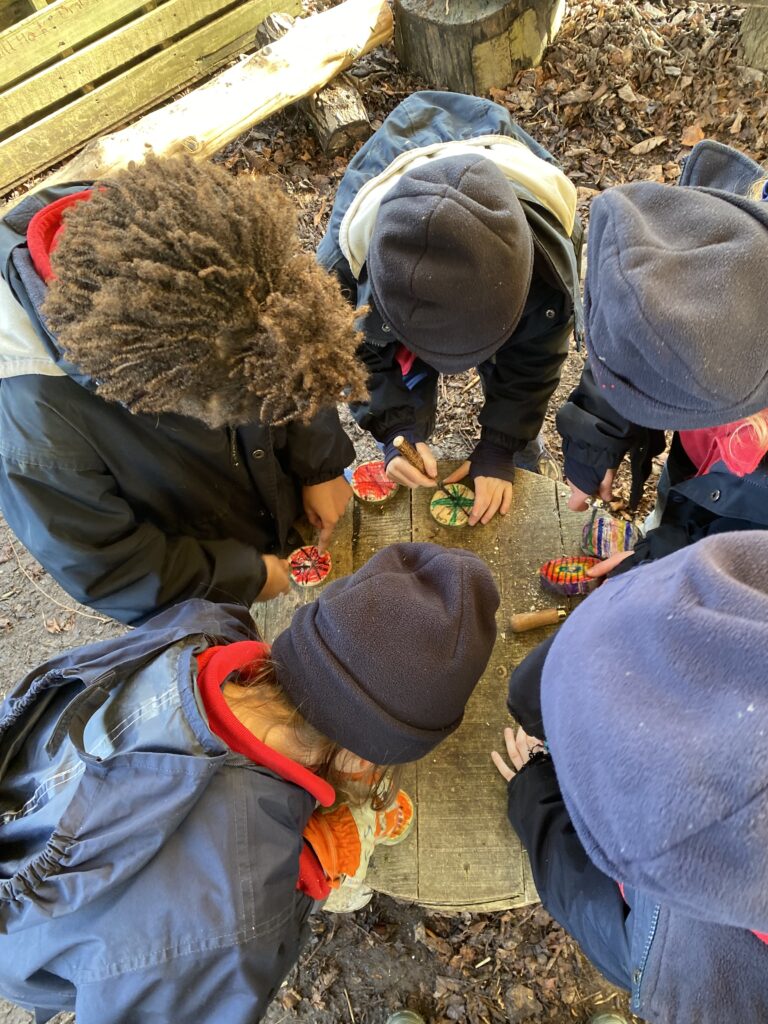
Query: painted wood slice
(603, 535)
(308, 567)
(451, 505)
(568, 575)
(371, 484)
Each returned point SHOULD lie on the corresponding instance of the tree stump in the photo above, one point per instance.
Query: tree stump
(336, 112)
(473, 45)
(754, 36)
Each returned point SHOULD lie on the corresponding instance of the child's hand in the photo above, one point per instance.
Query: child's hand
(520, 749)
(278, 579)
(491, 495)
(402, 472)
(579, 500)
(608, 564)
(324, 506)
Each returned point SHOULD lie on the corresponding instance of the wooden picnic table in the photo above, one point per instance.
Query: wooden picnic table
(462, 853)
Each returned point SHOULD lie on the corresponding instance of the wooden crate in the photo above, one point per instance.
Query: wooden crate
(77, 68)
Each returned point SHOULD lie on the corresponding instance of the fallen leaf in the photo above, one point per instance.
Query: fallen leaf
(627, 93)
(647, 145)
(738, 121)
(692, 134)
(60, 623)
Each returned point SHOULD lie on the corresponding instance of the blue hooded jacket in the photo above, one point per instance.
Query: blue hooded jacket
(114, 793)
(654, 697)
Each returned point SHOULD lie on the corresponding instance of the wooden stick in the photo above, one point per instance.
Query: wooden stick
(410, 454)
(524, 621)
(305, 59)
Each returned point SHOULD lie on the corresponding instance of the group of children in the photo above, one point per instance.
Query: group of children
(174, 803)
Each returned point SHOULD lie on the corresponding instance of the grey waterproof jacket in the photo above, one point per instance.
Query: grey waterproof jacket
(147, 872)
(128, 512)
(522, 375)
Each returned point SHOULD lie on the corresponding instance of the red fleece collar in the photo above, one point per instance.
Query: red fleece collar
(45, 229)
(215, 665)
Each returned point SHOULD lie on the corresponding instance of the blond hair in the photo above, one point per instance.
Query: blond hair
(258, 687)
(756, 188)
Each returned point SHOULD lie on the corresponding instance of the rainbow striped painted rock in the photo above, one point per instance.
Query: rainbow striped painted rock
(604, 536)
(568, 575)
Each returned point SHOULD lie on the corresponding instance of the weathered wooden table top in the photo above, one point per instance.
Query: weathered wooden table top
(462, 853)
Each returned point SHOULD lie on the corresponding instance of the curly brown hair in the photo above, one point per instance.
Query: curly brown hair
(181, 288)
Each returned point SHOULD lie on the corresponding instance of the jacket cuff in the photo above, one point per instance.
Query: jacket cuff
(489, 459)
(322, 478)
(410, 433)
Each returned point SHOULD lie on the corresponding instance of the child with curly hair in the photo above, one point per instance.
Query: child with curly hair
(160, 846)
(676, 309)
(170, 365)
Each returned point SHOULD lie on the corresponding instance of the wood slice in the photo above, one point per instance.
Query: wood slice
(474, 45)
(568, 575)
(451, 505)
(307, 567)
(604, 535)
(370, 483)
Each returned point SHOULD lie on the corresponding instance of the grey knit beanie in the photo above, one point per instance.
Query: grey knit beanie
(384, 661)
(676, 304)
(450, 261)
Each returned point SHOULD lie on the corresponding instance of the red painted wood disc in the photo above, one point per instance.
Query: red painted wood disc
(370, 483)
(308, 567)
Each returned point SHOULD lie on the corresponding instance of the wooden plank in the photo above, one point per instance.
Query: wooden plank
(68, 76)
(12, 11)
(754, 37)
(393, 869)
(36, 147)
(462, 854)
(47, 33)
(315, 50)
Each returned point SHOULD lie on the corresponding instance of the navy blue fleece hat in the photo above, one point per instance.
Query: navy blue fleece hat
(655, 706)
(384, 661)
(450, 261)
(676, 304)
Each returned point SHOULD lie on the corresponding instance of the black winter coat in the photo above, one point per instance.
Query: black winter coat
(132, 513)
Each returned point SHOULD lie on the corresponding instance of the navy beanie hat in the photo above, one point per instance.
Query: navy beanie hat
(655, 706)
(676, 304)
(384, 661)
(450, 261)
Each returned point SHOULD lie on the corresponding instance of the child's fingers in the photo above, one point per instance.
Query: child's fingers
(403, 472)
(502, 766)
(429, 460)
(507, 499)
(608, 565)
(522, 746)
(497, 496)
(512, 752)
(458, 474)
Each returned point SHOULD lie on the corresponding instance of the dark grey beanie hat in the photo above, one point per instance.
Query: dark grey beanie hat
(384, 661)
(676, 304)
(450, 261)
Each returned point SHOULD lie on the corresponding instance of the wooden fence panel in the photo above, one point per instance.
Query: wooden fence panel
(131, 92)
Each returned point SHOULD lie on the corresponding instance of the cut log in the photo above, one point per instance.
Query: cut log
(207, 118)
(754, 37)
(336, 113)
(474, 45)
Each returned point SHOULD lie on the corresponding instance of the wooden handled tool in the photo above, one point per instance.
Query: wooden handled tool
(410, 454)
(524, 621)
